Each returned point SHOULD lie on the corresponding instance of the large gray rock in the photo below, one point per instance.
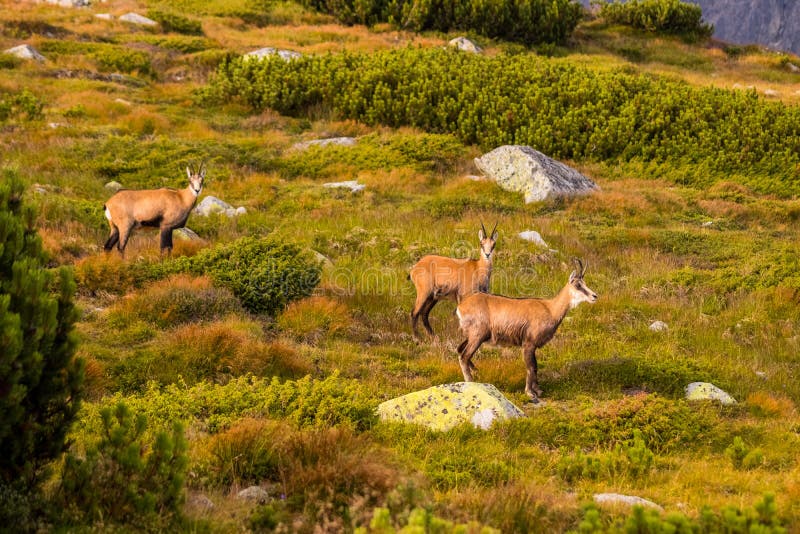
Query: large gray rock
(465, 45)
(534, 237)
(139, 20)
(211, 205)
(69, 3)
(443, 407)
(261, 53)
(627, 500)
(25, 51)
(255, 494)
(352, 185)
(707, 391)
(522, 169)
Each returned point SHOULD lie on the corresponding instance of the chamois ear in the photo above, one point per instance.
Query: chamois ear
(188, 172)
(203, 170)
(573, 276)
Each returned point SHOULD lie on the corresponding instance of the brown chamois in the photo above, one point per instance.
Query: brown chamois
(164, 208)
(438, 277)
(525, 322)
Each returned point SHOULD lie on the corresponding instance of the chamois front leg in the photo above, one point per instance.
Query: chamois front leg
(532, 379)
(166, 240)
(425, 313)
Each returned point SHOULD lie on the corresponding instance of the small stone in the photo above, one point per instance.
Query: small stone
(534, 237)
(658, 326)
(707, 391)
(706, 224)
(338, 141)
(211, 205)
(139, 20)
(200, 503)
(353, 185)
(465, 45)
(628, 500)
(104, 16)
(761, 374)
(255, 494)
(261, 53)
(186, 234)
(113, 186)
(25, 52)
(771, 92)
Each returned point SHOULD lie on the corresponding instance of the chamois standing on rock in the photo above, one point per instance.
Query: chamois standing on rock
(164, 208)
(523, 322)
(439, 277)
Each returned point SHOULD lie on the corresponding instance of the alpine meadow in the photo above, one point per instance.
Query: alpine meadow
(212, 221)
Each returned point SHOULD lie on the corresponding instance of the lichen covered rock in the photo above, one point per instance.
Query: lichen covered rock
(443, 407)
(707, 391)
(522, 169)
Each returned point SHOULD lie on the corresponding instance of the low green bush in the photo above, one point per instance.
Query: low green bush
(662, 16)
(742, 456)
(122, 477)
(173, 22)
(22, 105)
(631, 458)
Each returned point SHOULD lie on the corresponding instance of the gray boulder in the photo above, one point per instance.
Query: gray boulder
(69, 3)
(443, 407)
(211, 205)
(522, 169)
(261, 53)
(534, 237)
(113, 186)
(465, 45)
(338, 141)
(186, 234)
(139, 20)
(255, 494)
(104, 16)
(658, 326)
(353, 185)
(708, 391)
(25, 51)
(200, 502)
(627, 500)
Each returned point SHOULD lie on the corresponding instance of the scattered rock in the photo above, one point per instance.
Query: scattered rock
(658, 326)
(70, 3)
(761, 374)
(522, 169)
(261, 53)
(353, 185)
(475, 178)
(200, 502)
(54, 125)
(338, 141)
(628, 500)
(186, 234)
(792, 67)
(465, 45)
(104, 16)
(707, 391)
(122, 101)
(139, 20)
(771, 92)
(534, 237)
(90, 75)
(707, 224)
(255, 494)
(322, 258)
(443, 407)
(211, 205)
(25, 51)
(113, 186)
(39, 189)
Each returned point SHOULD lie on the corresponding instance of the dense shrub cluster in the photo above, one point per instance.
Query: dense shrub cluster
(631, 458)
(525, 21)
(172, 22)
(40, 380)
(23, 105)
(125, 478)
(563, 110)
(664, 16)
(109, 57)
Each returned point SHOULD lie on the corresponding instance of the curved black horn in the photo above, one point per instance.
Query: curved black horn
(580, 268)
(483, 229)
(495, 228)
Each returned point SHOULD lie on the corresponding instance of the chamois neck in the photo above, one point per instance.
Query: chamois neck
(561, 303)
(189, 195)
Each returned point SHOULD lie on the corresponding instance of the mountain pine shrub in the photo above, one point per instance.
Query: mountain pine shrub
(662, 16)
(40, 379)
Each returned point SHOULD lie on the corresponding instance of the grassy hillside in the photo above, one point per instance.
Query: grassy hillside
(282, 394)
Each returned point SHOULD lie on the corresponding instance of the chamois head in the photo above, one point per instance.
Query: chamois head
(578, 290)
(487, 242)
(196, 178)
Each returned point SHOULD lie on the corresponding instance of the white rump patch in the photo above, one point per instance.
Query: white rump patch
(108, 214)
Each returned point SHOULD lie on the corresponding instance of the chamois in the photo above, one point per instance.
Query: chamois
(525, 322)
(165, 208)
(439, 277)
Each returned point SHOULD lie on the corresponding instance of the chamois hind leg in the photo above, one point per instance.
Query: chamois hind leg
(419, 305)
(461, 349)
(166, 241)
(466, 351)
(113, 238)
(426, 310)
(531, 379)
(124, 235)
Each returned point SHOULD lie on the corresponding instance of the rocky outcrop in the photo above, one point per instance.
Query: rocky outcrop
(534, 237)
(443, 407)
(337, 141)
(353, 185)
(525, 170)
(255, 494)
(286, 55)
(658, 326)
(211, 205)
(707, 391)
(626, 500)
(25, 52)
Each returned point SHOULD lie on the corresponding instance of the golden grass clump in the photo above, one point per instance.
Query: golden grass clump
(143, 123)
(766, 404)
(314, 318)
(103, 273)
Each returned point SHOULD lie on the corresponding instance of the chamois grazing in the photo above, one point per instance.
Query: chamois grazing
(525, 322)
(439, 277)
(164, 208)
